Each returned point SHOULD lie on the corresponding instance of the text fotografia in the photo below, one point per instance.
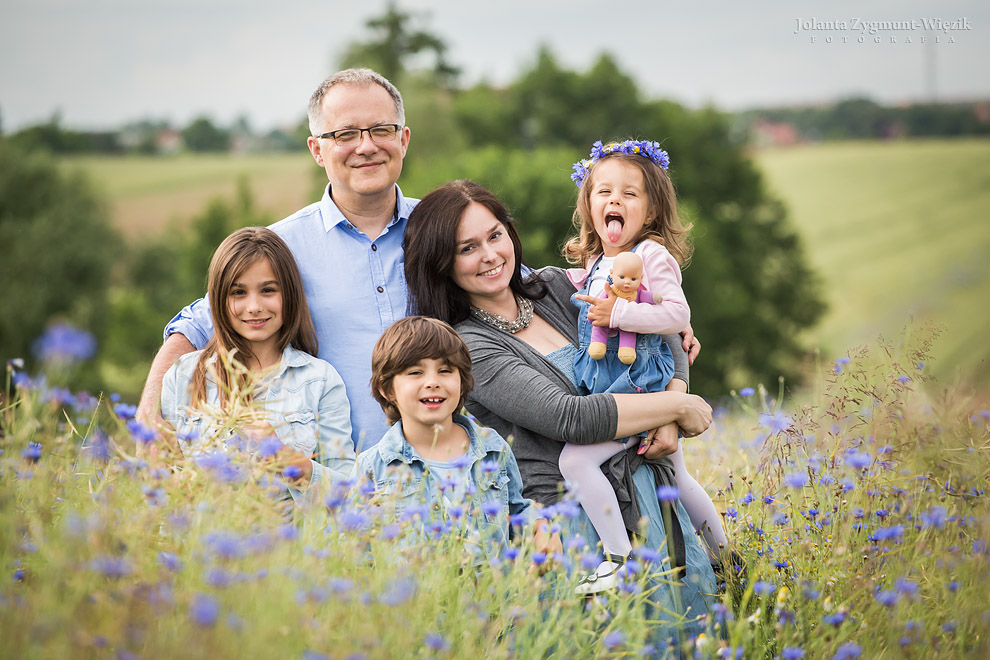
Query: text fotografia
(860, 29)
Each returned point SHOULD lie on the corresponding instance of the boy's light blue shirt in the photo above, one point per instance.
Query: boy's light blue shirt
(305, 403)
(355, 287)
(399, 472)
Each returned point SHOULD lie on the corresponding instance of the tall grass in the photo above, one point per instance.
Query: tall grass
(859, 524)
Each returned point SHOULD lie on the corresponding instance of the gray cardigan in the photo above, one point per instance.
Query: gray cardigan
(520, 394)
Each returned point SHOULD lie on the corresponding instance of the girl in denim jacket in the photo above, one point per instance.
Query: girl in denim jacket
(434, 462)
(261, 359)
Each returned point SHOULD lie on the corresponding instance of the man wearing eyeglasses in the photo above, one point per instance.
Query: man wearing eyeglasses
(348, 245)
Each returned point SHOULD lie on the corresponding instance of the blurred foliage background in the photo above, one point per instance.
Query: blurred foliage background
(755, 297)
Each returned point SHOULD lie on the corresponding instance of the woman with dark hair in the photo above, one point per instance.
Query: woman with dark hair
(464, 266)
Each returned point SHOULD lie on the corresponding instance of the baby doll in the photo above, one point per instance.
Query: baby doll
(624, 281)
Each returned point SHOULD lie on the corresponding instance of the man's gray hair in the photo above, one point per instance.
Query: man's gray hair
(360, 77)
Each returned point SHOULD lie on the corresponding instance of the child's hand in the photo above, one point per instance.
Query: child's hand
(659, 442)
(600, 312)
(691, 344)
(259, 430)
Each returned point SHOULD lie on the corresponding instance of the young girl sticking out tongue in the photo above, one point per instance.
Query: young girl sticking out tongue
(627, 205)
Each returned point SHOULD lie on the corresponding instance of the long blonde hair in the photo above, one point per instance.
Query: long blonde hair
(236, 254)
(662, 225)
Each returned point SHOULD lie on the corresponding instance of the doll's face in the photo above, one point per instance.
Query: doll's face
(627, 272)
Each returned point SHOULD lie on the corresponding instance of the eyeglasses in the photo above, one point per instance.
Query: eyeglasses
(346, 137)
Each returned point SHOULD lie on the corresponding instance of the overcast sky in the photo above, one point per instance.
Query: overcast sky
(101, 63)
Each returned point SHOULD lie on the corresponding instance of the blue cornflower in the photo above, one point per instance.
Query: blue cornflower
(647, 555)
(492, 508)
(887, 598)
(858, 459)
(748, 498)
(835, 618)
(907, 587)
(840, 363)
(780, 519)
(934, 517)
(170, 561)
(292, 472)
(204, 610)
(747, 392)
(226, 545)
(125, 410)
(114, 567)
(768, 499)
(949, 626)
(810, 593)
(903, 379)
(140, 432)
(613, 639)
(511, 553)
(64, 344)
(32, 453)
(953, 585)
(730, 652)
(847, 651)
(398, 591)
(98, 447)
(763, 588)
(792, 653)
(667, 493)
(218, 577)
(352, 520)
(539, 558)
(731, 513)
(269, 446)
(489, 467)
(435, 642)
(796, 479)
(775, 423)
(885, 533)
(848, 485)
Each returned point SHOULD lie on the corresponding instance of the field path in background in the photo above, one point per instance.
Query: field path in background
(895, 229)
(146, 193)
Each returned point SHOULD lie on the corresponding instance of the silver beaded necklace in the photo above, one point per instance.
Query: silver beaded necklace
(522, 321)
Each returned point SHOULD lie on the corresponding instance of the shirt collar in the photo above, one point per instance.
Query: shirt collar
(393, 446)
(332, 216)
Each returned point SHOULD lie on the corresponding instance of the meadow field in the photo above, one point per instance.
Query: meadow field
(857, 513)
(897, 230)
(147, 193)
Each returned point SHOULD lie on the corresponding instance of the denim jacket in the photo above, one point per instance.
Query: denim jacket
(304, 401)
(405, 487)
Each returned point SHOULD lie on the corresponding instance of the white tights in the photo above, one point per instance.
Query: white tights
(580, 466)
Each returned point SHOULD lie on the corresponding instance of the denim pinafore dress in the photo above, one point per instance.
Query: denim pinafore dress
(650, 372)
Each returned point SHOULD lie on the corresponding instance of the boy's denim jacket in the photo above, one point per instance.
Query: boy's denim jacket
(305, 403)
(403, 483)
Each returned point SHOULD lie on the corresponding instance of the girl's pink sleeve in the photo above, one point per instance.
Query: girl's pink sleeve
(662, 276)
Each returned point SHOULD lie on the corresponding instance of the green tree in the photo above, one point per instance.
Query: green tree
(394, 44)
(203, 135)
(57, 249)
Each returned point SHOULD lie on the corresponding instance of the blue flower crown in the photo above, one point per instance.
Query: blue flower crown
(644, 148)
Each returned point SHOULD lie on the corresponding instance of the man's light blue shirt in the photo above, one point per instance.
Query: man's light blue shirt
(355, 287)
